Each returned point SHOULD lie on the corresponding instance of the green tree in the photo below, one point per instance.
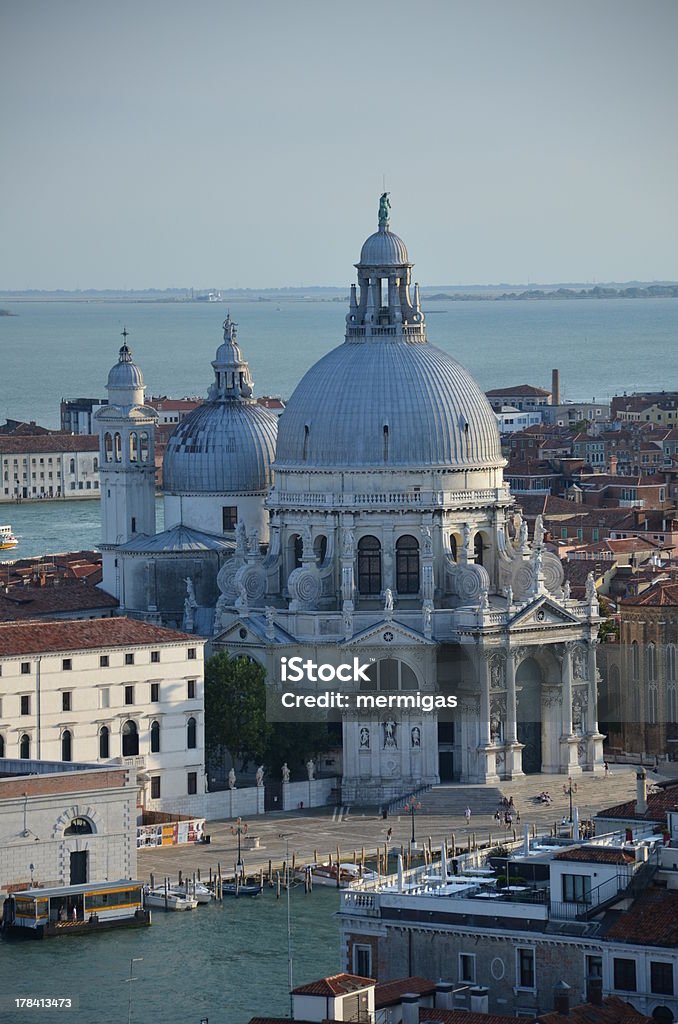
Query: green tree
(294, 743)
(235, 707)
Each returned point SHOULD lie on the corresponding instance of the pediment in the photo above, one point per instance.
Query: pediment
(389, 633)
(541, 612)
(250, 631)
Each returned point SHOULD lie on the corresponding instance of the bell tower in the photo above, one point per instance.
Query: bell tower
(126, 430)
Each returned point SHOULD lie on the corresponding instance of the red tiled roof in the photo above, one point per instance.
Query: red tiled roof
(49, 443)
(613, 1011)
(30, 602)
(464, 1017)
(659, 803)
(519, 389)
(389, 993)
(596, 855)
(651, 921)
(35, 637)
(662, 594)
(286, 1020)
(334, 985)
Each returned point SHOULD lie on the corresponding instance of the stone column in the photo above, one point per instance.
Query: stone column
(594, 753)
(487, 765)
(569, 758)
(514, 750)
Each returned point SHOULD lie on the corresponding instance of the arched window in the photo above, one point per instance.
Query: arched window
(25, 747)
(320, 548)
(385, 442)
(79, 827)
(133, 446)
(191, 731)
(130, 739)
(369, 566)
(407, 565)
(155, 737)
(104, 741)
(95, 464)
(72, 465)
(651, 663)
(389, 674)
(672, 709)
(652, 705)
(108, 447)
(296, 550)
(671, 663)
(117, 444)
(144, 447)
(2, 746)
(635, 661)
(453, 546)
(306, 435)
(478, 548)
(66, 745)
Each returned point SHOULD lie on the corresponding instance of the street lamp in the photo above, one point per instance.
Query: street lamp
(133, 961)
(239, 829)
(411, 808)
(569, 790)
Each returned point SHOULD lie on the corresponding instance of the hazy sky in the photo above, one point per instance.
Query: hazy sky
(242, 143)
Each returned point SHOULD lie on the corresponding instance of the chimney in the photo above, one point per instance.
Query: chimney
(555, 387)
(641, 791)
(409, 1003)
(594, 990)
(561, 998)
(444, 995)
(480, 1000)
(613, 465)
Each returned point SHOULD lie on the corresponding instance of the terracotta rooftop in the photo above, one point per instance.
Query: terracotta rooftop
(651, 921)
(464, 1017)
(49, 443)
(334, 985)
(519, 389)
(389, 993)
(662, 594)
(613, 1011)
(596, 855)
(662, 800)
(68, 596)
(43, 637)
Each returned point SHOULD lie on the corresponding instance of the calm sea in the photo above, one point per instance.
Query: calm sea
(226, 962)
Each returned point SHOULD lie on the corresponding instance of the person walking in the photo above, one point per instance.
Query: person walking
(607, 769)
(467, 815)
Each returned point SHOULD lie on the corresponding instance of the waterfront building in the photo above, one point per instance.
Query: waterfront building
(106, 691)
(599, 913)
(48, 466)
(66, 823)
(523, 397)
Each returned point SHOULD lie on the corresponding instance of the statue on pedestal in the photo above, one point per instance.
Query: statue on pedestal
(260, 775)
(285, 772)
(310, 768)
(231, 779)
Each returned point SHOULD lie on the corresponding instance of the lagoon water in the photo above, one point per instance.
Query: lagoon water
(226, 962)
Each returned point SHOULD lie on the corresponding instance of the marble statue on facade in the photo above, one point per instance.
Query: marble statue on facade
(390, 739)
(365, 738)
(285, 772)
(384, 207)
(260, 775)
(231, 779)
(388, 600)
(310, 768)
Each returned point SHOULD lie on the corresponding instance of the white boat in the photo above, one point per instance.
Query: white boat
(351, 875)
(168, 900)
(7, 538)
(198, 891)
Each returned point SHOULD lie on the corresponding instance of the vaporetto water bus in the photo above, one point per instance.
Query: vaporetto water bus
(74, 909)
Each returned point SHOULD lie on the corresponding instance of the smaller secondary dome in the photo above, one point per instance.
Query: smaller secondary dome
(384, 249)
(125, 373)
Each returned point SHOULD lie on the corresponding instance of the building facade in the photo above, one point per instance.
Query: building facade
(105, 692)
(49, 466)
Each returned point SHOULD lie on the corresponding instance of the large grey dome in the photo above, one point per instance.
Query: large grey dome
(221, 447)
(384, 249)
(388, 403)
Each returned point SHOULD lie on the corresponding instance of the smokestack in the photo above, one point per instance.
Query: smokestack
(641, 791)
(555, 387)
(480, 1000)
(561, 998)
(409, 1003)
(594, 990)
(444, 995)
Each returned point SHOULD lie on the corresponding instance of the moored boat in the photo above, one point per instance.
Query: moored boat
(168, 900)
(241, 888)
(7, 538)
(74, 909)
(350, 875)
(198, 891)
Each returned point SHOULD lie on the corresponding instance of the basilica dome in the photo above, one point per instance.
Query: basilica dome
(386, 397)
(227, 444)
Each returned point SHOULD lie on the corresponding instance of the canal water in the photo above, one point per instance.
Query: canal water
(225, 962)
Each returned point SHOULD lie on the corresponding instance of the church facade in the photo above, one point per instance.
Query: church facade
(387, 534)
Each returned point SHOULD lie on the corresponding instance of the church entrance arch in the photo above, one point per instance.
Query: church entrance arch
(529, 717)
